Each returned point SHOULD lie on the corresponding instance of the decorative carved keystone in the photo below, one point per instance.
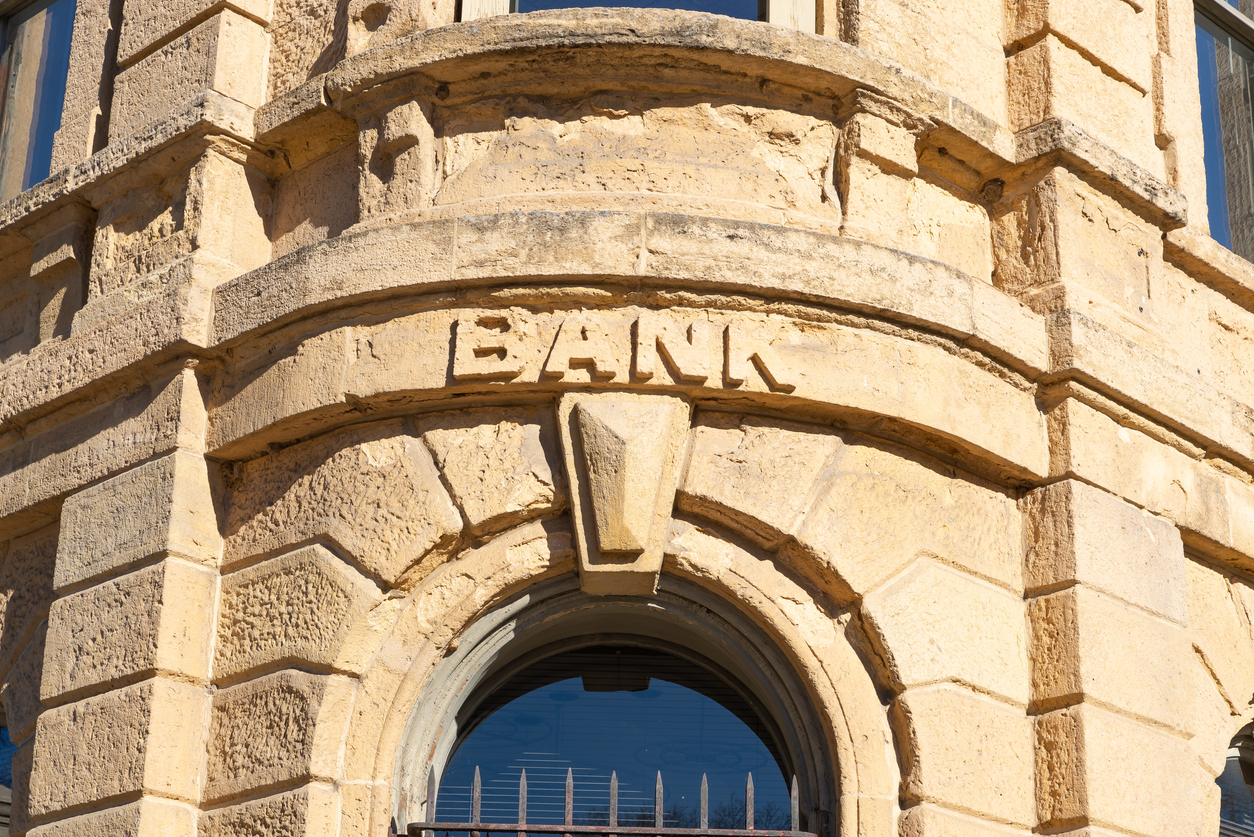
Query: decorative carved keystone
(623, 455)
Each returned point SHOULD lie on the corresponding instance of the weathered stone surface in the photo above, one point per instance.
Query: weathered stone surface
(276, 731)
(320, 598)
(1220, 626)
(933, 821)
(309, 812)
(373, 492)
(1079, 533)
(25, 589)
(502, 466)
(757, 475)
(885, 507)
(934, 624)
(152, 735)
(149, 817)
(20, 691)
(102, 532)
(971, 753)
(154, 620)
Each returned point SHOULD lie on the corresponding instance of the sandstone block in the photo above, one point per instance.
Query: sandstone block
(152, 736)
(276, 731)
(756, 475)
(149, 817)
(970, 752)
(156, 620)
(25, 590)
(883, 508)
(312, 811)
(934, 624)
(931, 821)
(297, 607)
(145, 25)
(889, 146)
(502, 466)
(371, 491)
(1087, 646)
(1219, 623)
(226, 54)
(1050, 79)
(20, 691)
(161, 508)
(1080, 533)
(1084, 758)
(1119, 34)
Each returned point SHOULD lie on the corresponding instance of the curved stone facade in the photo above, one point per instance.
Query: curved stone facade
(901, 351)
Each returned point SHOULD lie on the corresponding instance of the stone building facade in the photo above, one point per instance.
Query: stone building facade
(878, 350)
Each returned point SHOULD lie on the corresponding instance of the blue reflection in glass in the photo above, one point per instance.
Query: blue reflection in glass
(7, 749)
(1236, 807)
(1216, 178)
(632, 718)
(747, 9)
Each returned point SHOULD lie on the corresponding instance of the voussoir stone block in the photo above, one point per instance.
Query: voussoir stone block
(162, 508)
(373, 492)
(25, 589)
(276, 731)
(148, 817)
(157, 619)
(308, 812)
(756, 475)
(1076, 532)
(1088, 646)
(971, 753)
(884, 507)
(296, 607)
(20, 691)
(934, 624)
(151, 736)
(502, 466)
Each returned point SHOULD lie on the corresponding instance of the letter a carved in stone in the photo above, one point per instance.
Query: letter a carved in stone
(623, 454)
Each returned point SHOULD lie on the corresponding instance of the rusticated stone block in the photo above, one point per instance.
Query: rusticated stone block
(25, 590)
(933, 623)
(883, 508)
(1086, 758)
(759, 476)
(1076, 532)
(308, 812)
(372, 491)
(20, 691)
(157, 619)
(933, 821)
(149, 817)
(1087, 646)
(164, 507)
(970, 752)
(297, 607)
(151, 736)
(503, 466)
(275, 731)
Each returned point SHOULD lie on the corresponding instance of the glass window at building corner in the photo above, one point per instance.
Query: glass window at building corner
(34, 65)
(1236, 786)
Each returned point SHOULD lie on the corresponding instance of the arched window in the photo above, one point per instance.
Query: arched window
(1236, 786)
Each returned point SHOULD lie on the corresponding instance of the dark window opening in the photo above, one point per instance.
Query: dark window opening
(1236, 788)
(747, 9)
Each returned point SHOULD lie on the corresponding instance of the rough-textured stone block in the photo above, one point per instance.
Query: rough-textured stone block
(934, 624)
(226, 54)
(1086, 760)
(885, 507)
(20, 691)
(164, 507)
(25, 589)
(887, 145)
(157, 619)
(372, 491)
(276, 731)
(298, 607)
(151, 735)
(931, 821)
(503, 466)
(759, 476)
(1219, 623)
(308, 812)
(149, 817)
(970, 752)
(1120, 35)
(1076, 532)
(1087, 646)
(146, 24)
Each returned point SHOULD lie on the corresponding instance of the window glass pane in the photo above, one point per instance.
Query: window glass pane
(1236, 807)
(33, 70)
(636, 711)
(747, 9)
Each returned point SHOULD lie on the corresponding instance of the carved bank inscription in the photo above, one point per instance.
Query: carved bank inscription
(496, 346)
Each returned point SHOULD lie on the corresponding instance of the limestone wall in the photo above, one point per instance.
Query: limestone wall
(914, 324)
